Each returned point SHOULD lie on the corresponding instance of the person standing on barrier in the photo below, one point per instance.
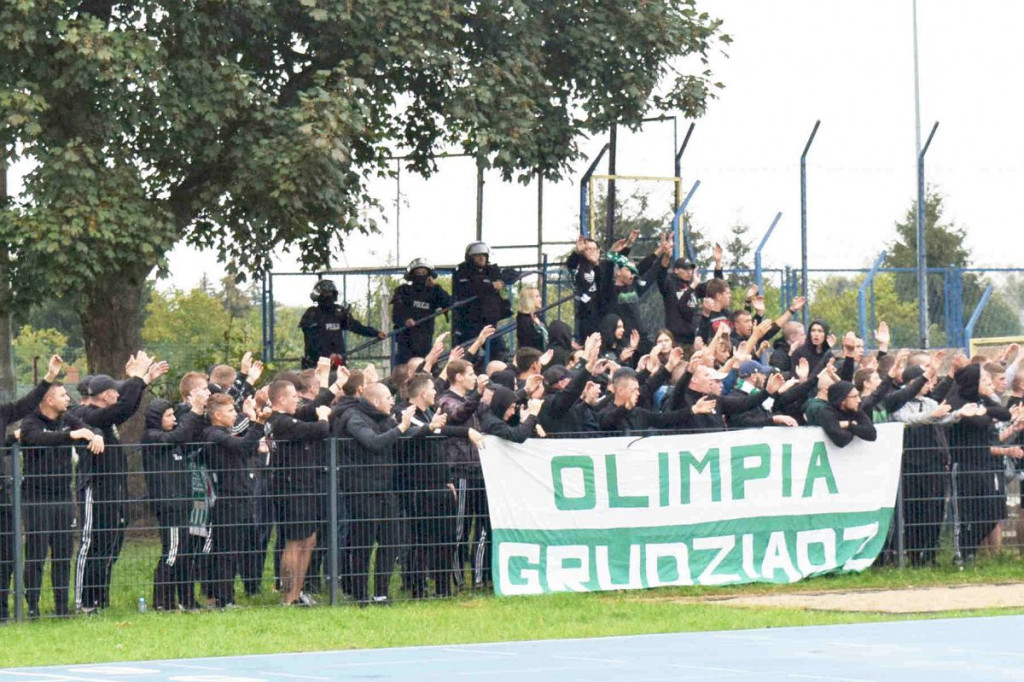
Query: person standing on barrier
(476, 287)
(10, 413)
(324, 324)
(429, 495)
(367, 463)
(49, 434)
(298, 434)
(228, 456)
(418, 298)
(169, 482)
(103, 480)
(530, 328)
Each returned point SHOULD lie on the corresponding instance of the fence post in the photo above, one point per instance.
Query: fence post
(332, 517)
(969, 329)
(861, 293)
(19, 547)
(901, 524)
(757, 253)
(584, 193)
(922, 252)
(803, 223)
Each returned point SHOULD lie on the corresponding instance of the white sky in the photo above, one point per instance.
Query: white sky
(849, 65)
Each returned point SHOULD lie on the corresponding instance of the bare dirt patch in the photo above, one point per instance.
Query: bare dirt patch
(914, 600)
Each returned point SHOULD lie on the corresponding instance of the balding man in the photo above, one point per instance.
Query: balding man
(366, 464)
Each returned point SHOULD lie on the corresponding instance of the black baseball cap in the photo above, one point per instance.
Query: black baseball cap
(684, 264)
(554, 374)
(103, 382)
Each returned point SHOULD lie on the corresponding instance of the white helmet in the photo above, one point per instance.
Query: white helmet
(420, 263)
(476, 249)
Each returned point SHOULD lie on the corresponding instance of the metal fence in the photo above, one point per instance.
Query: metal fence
(193, 526)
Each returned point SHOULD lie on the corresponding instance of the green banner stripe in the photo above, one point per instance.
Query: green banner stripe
(766, 549)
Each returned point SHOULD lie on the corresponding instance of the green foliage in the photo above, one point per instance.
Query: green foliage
(251, 127)
(835, 301)
(739, 255)
(31, 343)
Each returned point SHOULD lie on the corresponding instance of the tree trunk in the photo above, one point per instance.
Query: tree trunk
(111, 313)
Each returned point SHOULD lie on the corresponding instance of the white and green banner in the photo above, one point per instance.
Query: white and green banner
(758, 505)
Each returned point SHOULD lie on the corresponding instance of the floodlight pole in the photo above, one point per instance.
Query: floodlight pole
(922, 249)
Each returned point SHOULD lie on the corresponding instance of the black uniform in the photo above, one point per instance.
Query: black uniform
(169, 482)
(682, 306)
(323, 329)
(366, 474)
(11, 412)
(49, 511)
(103, 496)
(590, 284)
(486, 308)
(233, 530)
(415, 301)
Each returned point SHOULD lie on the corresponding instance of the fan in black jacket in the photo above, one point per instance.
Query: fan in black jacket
(9, 413)
(228, 455)
(169, 482)
(103, 481)
(367, 463)
(978, 472)
(427, 492)
(298, 434)
(622, 414)
(842, 419)
(48, 434)
(494, 421)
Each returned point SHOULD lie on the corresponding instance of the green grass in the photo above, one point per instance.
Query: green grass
(120, 633)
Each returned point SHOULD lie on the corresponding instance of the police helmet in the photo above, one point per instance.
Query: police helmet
(476, 249)
(324, 290)
(420, 263)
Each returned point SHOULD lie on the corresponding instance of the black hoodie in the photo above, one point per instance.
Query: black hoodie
(829, 416)
(367, 460)
(492, 421)
(816, 358)
(610, 346)
(971, 438)
(47, 454)
(165, 462)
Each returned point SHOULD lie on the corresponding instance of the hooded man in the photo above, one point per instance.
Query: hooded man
(324, 324)
(494, 421)
(169, 483)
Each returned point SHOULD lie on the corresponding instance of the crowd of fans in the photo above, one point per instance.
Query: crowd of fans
(235, 463)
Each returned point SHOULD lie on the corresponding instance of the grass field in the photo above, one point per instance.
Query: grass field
(260, 626)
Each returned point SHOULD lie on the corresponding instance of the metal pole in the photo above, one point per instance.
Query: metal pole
(398, 212)
(610, 232)
(332, 517)
(271, 313)
(803, 222)
(681, 211)
(678, 168)
(757, 253)
(862, 295)
(540, 217)
(585, 191)
(19, 547)
(922, 248)
(969, 329)
(479, 199)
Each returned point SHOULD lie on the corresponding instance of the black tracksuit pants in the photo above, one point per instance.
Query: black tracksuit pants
(173, 579)
(431, 516)
(49, 527)
(471, 509)
(373, 521)
(234, 536)
(6, 557)
(104, 517)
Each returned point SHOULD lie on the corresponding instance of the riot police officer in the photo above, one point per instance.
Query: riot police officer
(480, 283)
(419, 298)
(323, 326)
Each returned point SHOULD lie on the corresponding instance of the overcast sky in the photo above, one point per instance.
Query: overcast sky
(791, 63)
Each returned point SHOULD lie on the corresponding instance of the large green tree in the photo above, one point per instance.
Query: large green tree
(248, 126)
